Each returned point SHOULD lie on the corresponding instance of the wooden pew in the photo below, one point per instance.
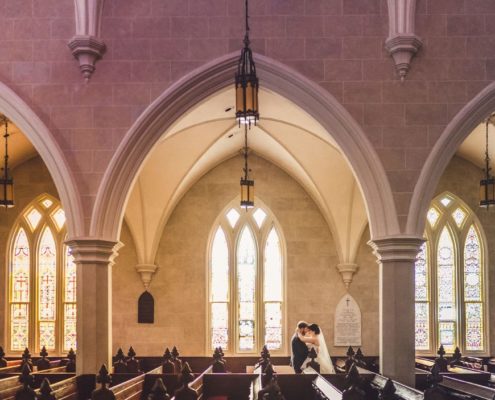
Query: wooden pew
(324, 390)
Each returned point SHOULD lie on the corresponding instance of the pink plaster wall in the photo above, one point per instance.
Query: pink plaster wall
(337, 43)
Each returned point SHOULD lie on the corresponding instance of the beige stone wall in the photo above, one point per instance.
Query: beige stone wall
(314, 285)
(31, 180)
(462, 179)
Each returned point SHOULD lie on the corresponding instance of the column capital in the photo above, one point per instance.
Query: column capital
(396, 248)
(94, 251)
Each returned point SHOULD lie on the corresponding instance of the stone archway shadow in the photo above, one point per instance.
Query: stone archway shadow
(444, 149)
(36, 131)
(214, 76)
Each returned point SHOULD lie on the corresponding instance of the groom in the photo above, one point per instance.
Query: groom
(299, 349)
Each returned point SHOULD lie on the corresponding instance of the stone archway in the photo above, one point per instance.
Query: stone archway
(443, 151)
(196, 86)
(36, 131)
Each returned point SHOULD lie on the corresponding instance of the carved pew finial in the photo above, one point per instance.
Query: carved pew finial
(353, 380)
(270, 388)
(176, 360)
(434, 391)
(132, 363)
(185, 392)
(441, 362)
(218, 365)
(3, 361)
(158, 391)
(26, 359)
(350, 359)
(168, 367)
(120, 366)
(388, 391)
(265, 358)
(456, 357)
(27, 380)
(103, 393)
(46, 392)
(43, 362)
(71, 365)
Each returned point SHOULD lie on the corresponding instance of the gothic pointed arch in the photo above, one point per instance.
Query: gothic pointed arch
(12, 106)
(458, 129)
(198, 85)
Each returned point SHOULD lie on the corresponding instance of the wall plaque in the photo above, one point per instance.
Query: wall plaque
(347, 325)
(146, 308)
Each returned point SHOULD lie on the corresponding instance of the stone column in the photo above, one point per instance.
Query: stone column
(94, 259)
(396, 257)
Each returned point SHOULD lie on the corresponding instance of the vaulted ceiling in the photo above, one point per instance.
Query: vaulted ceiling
(209, 135)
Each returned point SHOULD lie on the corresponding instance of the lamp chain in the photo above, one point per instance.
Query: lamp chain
(487, 157)
(246, 36)
(6, 136)
(246, 170)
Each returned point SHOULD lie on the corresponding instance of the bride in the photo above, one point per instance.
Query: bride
(315, 339)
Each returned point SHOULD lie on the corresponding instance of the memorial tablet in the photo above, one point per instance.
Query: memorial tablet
(347, 326)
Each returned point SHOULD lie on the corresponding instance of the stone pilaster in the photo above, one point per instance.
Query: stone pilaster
(94, 259)
(396, 257)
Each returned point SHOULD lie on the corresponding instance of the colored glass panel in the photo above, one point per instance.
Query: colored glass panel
(446, 201)
(272, 279)
(47, 273)
(446, 290)
(19, 326)
(459, 216)
(33, 217)
(219, 267)
(422, 327)
(47, 335)
(47, 203)
(70, 276)
(219, 325)
(70, 336)
(432, 216)
(59, 218)
(422, 321)
(246, 284)
(473, 291)
(273, 325)
(20, 269)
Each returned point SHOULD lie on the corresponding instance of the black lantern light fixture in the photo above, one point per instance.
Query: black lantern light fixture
(6, 182)
(487, 185)
(247, 185)
(246, 83)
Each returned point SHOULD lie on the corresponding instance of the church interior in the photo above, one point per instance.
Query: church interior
(184, 182)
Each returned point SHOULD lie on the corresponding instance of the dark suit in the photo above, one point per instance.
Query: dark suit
(299, 353)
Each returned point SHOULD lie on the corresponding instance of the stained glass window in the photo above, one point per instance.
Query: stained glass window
(455, 244)
(59, 218)
(47, 289)
(34, 217)
(432, 216)
(39, 311)
(473, 291)
(246, 284)
(219, 291)
(422, 328)
(459, 216)
(272, 291)
(69, 301)
(20, 293)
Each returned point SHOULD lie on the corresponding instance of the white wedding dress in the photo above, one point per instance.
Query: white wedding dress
(323, 357)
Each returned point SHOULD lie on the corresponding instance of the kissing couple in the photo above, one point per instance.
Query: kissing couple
(307, 337)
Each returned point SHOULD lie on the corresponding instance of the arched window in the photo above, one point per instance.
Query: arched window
(42, 277)
(246, 282)
(450, 276)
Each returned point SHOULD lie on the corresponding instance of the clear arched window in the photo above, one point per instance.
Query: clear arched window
(42, 277)
(246, 282)
(449, 275)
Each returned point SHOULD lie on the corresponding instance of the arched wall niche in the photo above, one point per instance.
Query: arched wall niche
(196, 86)
(12, 106)
(473, 113)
